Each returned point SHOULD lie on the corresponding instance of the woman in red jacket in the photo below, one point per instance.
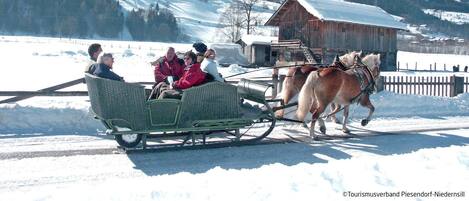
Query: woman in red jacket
(193, 76)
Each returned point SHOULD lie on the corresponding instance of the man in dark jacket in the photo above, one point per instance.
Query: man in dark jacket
(169, 65)
(93, 51)
(103, 68)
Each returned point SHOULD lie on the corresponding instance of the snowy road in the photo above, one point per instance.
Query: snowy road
(399, 155)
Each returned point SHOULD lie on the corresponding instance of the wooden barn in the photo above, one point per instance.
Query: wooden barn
(331, 27)
(257, 49)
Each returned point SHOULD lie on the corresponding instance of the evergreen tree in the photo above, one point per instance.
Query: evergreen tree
(136, 24)
(82, 18)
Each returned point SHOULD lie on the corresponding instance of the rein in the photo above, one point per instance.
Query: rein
(279, 67)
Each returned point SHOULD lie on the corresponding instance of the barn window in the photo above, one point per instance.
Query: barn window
(343, 28)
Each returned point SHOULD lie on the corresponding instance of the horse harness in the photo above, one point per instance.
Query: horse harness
(338, 64)
(365, 78)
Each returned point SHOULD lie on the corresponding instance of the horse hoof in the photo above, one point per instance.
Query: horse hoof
(346, 131)
(323, 129)
(365, 122)
(314, 138)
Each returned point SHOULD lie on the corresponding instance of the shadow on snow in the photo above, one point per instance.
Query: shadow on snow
(250, 157)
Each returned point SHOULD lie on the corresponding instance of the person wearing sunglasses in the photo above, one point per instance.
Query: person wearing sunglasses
(193, 76)
(103, 68)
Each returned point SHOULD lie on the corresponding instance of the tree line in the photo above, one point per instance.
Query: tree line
(153, 24)
(86, 18)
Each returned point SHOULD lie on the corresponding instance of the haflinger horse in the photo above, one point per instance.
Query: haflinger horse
(296, 78)
(332, 85)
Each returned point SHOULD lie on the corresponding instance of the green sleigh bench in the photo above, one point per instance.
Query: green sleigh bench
(124, 110)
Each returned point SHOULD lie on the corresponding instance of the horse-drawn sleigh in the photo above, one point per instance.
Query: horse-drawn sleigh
(211, 114)
(220, 114)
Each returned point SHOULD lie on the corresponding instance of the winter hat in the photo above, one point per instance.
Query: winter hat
(200, 47)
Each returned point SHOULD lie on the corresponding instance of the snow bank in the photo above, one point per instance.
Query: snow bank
(42, 115)
(72, 115)
(228, 53)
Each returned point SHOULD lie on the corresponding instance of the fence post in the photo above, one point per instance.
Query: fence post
(415, 65)
(380, 84)
(457, 86)
(274, 83)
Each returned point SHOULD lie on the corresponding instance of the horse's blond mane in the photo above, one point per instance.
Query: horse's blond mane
(372, 60)
(349, 58)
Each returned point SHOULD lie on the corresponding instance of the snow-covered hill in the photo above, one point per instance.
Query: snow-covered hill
(200, 19)
(455, 17)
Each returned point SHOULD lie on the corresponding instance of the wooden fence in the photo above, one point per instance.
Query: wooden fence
(418, 85)
(53, 90)
(448, 86)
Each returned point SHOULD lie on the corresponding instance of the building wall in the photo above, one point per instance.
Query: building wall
(331, 38)
(262, 54)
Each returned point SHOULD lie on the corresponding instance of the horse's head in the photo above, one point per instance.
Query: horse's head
(373, 61)
(349, 59)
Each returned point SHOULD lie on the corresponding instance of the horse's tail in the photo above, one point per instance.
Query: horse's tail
(306, 96)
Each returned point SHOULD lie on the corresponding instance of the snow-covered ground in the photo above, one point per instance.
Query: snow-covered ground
(31, 63)
(415, 160)
(423, 61)
(455, 17)
(50, 150)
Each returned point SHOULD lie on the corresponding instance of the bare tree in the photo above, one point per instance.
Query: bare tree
(233, 21)
(239, 15)
(247, 7)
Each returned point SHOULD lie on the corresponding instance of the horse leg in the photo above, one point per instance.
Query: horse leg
(311, 130)
(365, 102)
(322, 126)
(334, 108)
(344, 124)
(287, 93)
(317, 111)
